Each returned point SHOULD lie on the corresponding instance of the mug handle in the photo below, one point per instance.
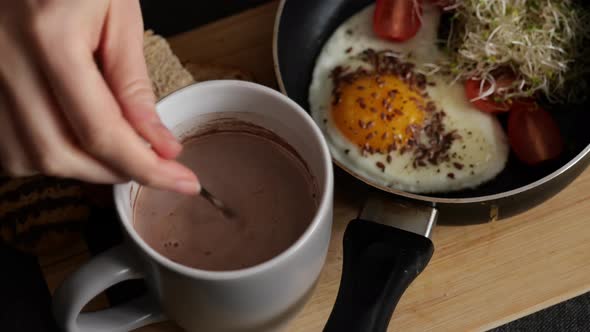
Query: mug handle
(107, 269)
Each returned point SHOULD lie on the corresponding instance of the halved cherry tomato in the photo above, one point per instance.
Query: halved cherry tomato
(397, 20)
(533, 134)
(487, 104)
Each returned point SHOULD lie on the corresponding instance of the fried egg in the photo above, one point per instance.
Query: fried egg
(397, 126)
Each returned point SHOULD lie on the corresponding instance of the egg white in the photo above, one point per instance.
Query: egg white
(482, 151)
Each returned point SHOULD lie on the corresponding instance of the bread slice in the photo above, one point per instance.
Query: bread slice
(164, 68)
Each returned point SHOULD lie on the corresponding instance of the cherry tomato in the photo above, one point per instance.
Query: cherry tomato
(397, 20)
(487, 104)
(533, 134)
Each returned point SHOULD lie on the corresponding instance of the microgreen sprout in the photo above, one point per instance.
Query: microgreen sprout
(541, 42)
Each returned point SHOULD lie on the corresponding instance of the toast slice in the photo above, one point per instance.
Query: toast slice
(164, 68)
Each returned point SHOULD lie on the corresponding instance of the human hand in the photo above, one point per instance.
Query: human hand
(75, 98)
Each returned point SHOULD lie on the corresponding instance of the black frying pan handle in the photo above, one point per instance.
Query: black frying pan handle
(379, 264)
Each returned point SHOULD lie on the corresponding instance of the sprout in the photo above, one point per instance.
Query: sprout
(539, 41)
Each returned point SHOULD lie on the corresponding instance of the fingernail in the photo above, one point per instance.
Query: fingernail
(189, 187)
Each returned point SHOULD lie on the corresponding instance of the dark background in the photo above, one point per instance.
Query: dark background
(24, 297)
(172, 17)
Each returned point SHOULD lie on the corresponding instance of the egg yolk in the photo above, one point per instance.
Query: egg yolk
(378, 112)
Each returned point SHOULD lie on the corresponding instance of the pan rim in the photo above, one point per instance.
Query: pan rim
(429, 199)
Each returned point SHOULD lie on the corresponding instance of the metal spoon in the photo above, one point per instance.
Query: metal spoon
(227, 212)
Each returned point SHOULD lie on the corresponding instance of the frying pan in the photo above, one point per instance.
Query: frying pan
(389, 245)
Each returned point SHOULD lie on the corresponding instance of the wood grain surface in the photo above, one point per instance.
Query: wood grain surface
(480, 277)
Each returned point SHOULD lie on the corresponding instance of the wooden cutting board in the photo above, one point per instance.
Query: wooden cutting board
(480, 277)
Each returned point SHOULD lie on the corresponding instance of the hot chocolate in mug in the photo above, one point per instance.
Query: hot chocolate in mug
(258, 298)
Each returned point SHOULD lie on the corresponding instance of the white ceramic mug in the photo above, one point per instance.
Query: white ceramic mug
(257, 298)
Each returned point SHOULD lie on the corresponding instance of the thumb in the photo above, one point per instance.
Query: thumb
(124, 69)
